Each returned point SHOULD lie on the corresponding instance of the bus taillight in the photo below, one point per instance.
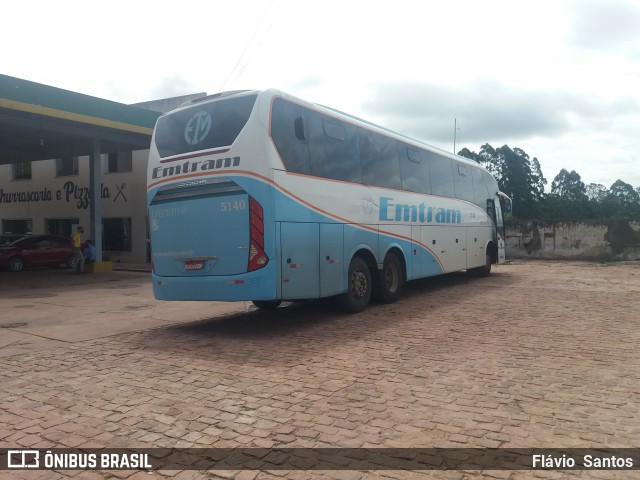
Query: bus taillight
(257, 257)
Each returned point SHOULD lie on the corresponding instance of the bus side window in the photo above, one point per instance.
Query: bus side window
(333, 148)
(479, 188)
(463, 182)
(491, 183)
(298, 128)
(289, 135)
(334, 129)
(379, 159)
(441, 175)
(414, 169)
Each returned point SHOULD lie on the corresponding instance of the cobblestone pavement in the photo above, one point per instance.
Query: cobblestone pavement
(539, 354)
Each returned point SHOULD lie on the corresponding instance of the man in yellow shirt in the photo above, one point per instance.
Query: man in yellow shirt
(78, 259)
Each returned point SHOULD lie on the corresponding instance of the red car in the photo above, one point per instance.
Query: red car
(37, 251)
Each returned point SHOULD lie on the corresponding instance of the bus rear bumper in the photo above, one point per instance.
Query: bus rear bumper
(231, 288)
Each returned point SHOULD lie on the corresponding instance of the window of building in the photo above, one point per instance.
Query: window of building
(21, 171)
(66, 166)
(17, 226)
(119, 162)
(60, 226)
(116, 234)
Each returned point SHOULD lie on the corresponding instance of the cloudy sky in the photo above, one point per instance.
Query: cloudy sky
(559, 79)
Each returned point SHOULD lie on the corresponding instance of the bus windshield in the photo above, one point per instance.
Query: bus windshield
(214, 124)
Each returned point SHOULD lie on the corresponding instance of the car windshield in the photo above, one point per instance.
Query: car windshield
(9, 240)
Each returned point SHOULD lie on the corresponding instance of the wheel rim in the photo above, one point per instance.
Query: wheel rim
(359, 285)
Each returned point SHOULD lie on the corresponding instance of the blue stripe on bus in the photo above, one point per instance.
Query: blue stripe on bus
(264, 284)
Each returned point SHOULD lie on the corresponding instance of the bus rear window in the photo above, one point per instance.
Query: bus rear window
(202, 127)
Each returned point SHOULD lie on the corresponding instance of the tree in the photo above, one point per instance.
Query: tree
(568, 199)
(622, 201)
(623, 194)
(518, 176)
(596, 192)
(569, 185)
(537, 177)
(465, 152)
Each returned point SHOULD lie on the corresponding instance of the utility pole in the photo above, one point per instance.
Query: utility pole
(455, 134)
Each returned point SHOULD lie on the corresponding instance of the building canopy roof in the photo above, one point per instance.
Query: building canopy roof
(39, 122)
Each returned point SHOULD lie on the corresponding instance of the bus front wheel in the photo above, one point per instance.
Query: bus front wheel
(485, 270)
(358, 292)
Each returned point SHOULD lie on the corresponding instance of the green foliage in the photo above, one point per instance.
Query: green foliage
(569, 185)
(621, 202)
(597, 192)
(520, 177)
(556, 207)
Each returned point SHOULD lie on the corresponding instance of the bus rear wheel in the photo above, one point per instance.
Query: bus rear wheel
(267, 304)
(358, 292)
(390, 280)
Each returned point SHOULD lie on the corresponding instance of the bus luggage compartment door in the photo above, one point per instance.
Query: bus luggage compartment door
(299, 248)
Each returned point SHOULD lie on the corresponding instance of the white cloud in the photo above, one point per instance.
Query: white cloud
(611, 25)
(558, 79)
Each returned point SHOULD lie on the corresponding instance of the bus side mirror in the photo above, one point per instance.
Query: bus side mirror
(508, 207)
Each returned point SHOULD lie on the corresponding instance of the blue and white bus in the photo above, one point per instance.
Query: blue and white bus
(261, 196)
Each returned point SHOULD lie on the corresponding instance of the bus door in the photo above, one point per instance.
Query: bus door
(495, 212)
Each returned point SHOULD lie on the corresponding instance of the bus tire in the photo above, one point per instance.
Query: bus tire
(267, 304)
(390, 280)
(483, 271)
(358, 293)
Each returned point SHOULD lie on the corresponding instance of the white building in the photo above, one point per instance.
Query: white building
(53, 196)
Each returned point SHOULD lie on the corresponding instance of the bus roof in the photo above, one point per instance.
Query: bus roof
(274, 92)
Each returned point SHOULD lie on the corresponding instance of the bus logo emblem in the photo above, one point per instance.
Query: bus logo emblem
(197, 128)
(23, 459)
